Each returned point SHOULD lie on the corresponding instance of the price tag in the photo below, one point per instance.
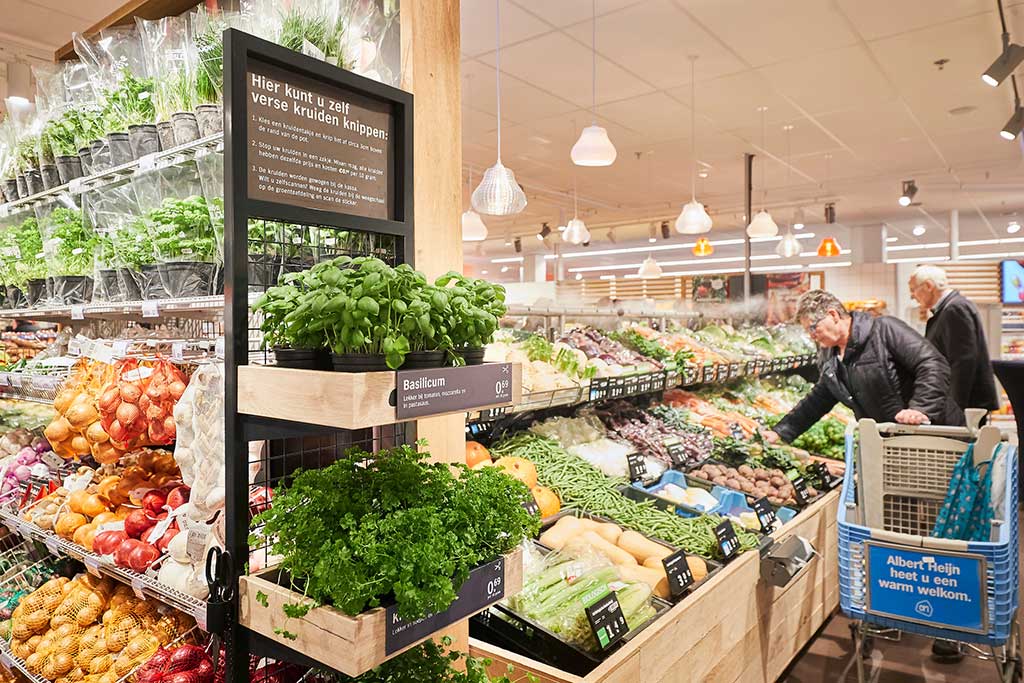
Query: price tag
(751, 367)
(605, 616)
(177, 350)
(637, 466)
(6, 660)
(709, 374)
(138, 374)
(3, 211)
(828, 480)
(531, 506)
(201, 152)
(77, 482)
(117, 525)
(53, 461)
(121, 348)
(137, 586)
(676, 453)
(75, 186)
(52, 545)
(147, 162)
(728, 542)
(218, 347)
(150, 309)
(78, 312)
(92, 564)
(736, 431)
(678, 572)
(800, 491)
(765, 514)
(195, 546)
(101, 352)
(493, 413)
(74, 347)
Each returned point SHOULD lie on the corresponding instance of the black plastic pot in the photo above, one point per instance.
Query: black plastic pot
(35, 291)
(15, 297)
(130, 284)
(85, 157)
(188, 278)
(69, 167)
(11, 190)
(22, 187)
(210, 118)
(119, 148)
(186, 127)
(358, 362)
(34, 181)
(263, 271)
(417, 360)
(165, 131)
(305, 359)
(110, 285)
(151, 286)
(472, 356)
(51, 178)
(143, 139)
(99, 152)
(72, 289)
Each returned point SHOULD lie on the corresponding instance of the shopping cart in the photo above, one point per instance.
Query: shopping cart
(893, 576)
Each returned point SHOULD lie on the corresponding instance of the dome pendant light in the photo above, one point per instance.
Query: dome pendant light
(829, 247)
(498, 193)
(575, 230)
(703, 247)
(789, 246)
(693, 219)
(473, 228)
(594, 148)
(762, 225)
(649, 269)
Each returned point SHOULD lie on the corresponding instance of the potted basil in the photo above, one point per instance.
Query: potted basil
(137, 270)
(69, 247)
(30, 267)
(63, 133)
(185, 243)
(476, 308)
(294, 344)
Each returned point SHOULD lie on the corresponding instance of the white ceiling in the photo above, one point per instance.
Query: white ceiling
(855, 79)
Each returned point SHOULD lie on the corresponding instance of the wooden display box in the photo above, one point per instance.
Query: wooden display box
(350, 400)
(736, 628)
(353, 645)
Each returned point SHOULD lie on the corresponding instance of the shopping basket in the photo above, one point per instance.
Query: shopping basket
(892, 573)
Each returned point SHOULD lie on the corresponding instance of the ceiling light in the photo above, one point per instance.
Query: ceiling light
(1013, 227)
(593, 148)
(498, 194)
(916, 247)
(799, 218)
(579, 276)
(483, 272)
(829, 248)
(703, 247)
(473, 228)
(504, 269)
(762, 225)
(1013, 127)
(519, 245)
(693, 219)
(649, 268)
(665, 234)
(702, 174)
(788, 246)
(919, 230)
(909, 190)
(917, 259)
(576, 232)
(545, 230)
(652, 234)
(1005, 63)
(508, 242)
(509, 259)
(892, 239)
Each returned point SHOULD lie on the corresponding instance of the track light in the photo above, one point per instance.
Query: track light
(1005, 63)
(545, 230)
(652, 234)
(830, 213)
(909, 190)
(799, 219)
(611, 235)
(519, 245)
(1013, 227)
(665, 233)
(1013, 127)
(586, 244)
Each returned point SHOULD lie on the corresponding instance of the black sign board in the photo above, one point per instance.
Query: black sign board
(765, 514)
(710, 372)
(728, 542)
(531, 506)
(637, 466)
(762, 365)
(678, 572)
(436, 391)
(606, 620)
(691, 376)
(800, 491)
(485, 585)
(676, 453)
(607, 387)
(827, 479)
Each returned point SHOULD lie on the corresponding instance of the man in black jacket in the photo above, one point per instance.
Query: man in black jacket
(878, 367)
(955, 330)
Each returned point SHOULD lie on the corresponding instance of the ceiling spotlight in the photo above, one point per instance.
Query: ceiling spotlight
(702, 174)
(519, 245)
(1013, 227)
(1005, 63)
(919, 230)
(830, 213)
(909, 190)
(508, 241)
(586, 244)
(545, 230)
(1012, 128)
(579, 276)
(799, 219)
(504, 269)
(483, 272)
(652, 235)
(665, 234)
(611, 235)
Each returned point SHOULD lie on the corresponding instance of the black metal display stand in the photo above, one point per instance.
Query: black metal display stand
(324, 234)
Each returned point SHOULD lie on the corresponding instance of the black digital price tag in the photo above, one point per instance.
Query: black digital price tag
(800, 491)
(710, 372)
(606, 619)
(828, 480)
(734, 370)
(676, 453)
(598, 388)
(637, 466)
(721, 373)
(728, 542)
(751, 367)
(531, 506)
(690, 376)
(493, 413)
(765, 514)
(678, 571)
(736, 431)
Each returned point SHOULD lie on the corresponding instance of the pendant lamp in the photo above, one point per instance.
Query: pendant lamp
(829, 247)
(703, 247)
(576, 232)
(762, 225)
(473, 228)
(594, 148)
(649, 269)
(693, 219)
(789, 246)
(498, 194)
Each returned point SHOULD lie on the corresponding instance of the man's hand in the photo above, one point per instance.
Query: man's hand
(770, 436)
(911, 417)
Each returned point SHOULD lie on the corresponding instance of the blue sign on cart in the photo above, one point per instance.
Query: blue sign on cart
(925, 586)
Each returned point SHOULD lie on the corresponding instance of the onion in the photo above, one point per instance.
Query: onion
(40, 470)
(40, 445)
(25, 454)
(22, 473)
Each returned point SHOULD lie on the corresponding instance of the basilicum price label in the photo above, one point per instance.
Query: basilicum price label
(637, 466)
(605, 616)
(765, 514)
(436, 391)
(677, 569)
(727, 540)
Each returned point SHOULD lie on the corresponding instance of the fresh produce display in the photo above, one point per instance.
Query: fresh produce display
(185, 663)
(546, 366)
(368, 526)
(652, 435)
(609, 357)
(586, 438)
(826, 437)
(548, 504)
(759, 482)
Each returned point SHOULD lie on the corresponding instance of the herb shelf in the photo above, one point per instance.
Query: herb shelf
(346, 400)
(354, 645)
(189, 307)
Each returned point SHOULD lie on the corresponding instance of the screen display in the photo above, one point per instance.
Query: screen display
(1013, 282)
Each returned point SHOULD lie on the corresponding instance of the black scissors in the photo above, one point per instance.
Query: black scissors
(220, 575)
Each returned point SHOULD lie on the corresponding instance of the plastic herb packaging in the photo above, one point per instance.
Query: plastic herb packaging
(69, 248)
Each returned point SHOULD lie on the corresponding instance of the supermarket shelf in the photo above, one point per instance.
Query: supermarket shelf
(11, 663)
(145, 586)
(620, 312)
(168, 157)
(189, 307)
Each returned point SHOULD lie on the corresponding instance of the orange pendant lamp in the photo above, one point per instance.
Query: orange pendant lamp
(703, 247)
(828, 248)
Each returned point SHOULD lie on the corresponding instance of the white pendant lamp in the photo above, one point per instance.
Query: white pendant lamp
(789, 246)
(649, 269)
(498, 194)
(594, 148)
(693, 219)
(576, 232)
(762, 225)
(473, 228)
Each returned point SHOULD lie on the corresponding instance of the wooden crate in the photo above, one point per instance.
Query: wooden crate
(351, 645)
(734, 629)
(344, 400)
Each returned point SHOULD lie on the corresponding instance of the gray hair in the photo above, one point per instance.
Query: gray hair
(815, 305)
(933, 274)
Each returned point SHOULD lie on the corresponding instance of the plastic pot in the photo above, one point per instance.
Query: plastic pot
(15, 297)
(472, 356)
(109, 285)
(417, 360)
(99, 152)
(210, 118)
(34, 181)
(188, 278)
(35, 291)
(11, 189)
(263, 271)
(51, 178)
(358, 362)
(22, 186)
(69, 167)
(72, 289)
(186, 127)
(165, 131)
(120, 149)
(85, 157)
(143, 139)
(305, 359)
(150, 285)
(130, 284)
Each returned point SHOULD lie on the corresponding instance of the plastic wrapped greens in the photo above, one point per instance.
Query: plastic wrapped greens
(69, 248)
(124, 259)
(21, 249)
(166, 48)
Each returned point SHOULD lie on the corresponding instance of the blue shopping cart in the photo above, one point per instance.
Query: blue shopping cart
(893, 575)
